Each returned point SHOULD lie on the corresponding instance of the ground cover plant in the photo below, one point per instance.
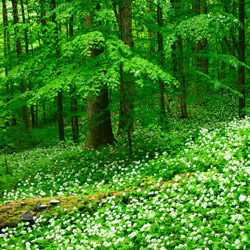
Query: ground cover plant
(124, 124)
(194, 197)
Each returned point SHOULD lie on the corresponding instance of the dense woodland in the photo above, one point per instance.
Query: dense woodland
(124, 124)
(99, 65)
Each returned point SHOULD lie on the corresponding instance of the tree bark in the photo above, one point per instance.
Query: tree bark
(99, 119)
(161, 63)
(60, 121)
(204, 43)
(26, 114)
(197, 59)
(242, 58)
(74, 108)
(182, 79)
(180, 66)
(25, 30)
(126, 116)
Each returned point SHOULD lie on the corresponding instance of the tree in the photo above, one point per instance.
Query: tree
(197, 58)
(161, 62)
(126, 118)
(99, 119)
(26, 114)
(74, 108)
(59, 98)
(242, 59)
(181, 74)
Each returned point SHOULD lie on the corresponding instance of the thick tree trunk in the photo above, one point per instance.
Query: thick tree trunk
(26, 114)
(99, 118)
(242, 58)
(126, 117)
(161, 62)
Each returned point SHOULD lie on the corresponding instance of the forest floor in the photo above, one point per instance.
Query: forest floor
(186, 188)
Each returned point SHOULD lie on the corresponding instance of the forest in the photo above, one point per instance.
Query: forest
(124, 124)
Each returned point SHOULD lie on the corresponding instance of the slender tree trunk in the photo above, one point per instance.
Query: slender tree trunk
(126, 119)
(224, 43)
(6, 36)
(44, 113)
(60, 121)
(74, 108)
(197, 59)
(242, 58)
(19, 52)
(151, 32)
(33, 114)
(182, 80)
(99, 118)
(161, 63)
(25, 30)
(37, 108)
(204, 43)
(180, 66)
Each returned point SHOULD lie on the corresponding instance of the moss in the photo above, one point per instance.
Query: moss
(11, 211)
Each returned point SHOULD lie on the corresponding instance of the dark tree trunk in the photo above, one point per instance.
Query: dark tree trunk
(74, 108)
(6, 36)
(60, 115)
(37, 108)
(44, 113)
(126, 117)
(182, 80)
(161, 63)
(204, 43)
(151, 32)
(242, 58)
(99, 118)
(60, 121)
(25, 30)
(33, 118)
(197, 59)
(74, 119)
(179, 74)
(26, 114)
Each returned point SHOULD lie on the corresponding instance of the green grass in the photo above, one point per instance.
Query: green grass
(166, 209)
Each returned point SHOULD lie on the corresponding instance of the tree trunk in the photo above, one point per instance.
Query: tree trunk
(204, 43)
(180, 66)
(32, 110)
(60, 115)
(241, 71)
(6, 35)
(182, 80)
(126, 117)
(26, 114)
(99, 118)
(161, 62)
(25, 30)
(197, 59)
(60, 121)
(151, 32)
(74, 108)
